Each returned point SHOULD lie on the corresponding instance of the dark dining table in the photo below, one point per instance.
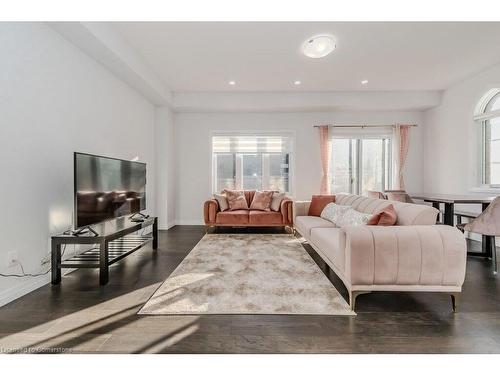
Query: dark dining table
(449, 201)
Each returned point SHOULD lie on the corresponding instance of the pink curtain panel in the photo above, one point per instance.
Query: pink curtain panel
(325, 158)
(404, 145)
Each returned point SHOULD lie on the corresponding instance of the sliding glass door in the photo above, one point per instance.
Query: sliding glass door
(344, 165)
(360, 164)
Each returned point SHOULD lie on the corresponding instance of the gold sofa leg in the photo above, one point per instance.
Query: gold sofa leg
(352, 297)
(455, 299)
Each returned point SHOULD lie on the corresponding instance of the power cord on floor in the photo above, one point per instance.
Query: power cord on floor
(24, 274)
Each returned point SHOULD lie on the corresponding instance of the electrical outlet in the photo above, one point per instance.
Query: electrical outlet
(12, 258)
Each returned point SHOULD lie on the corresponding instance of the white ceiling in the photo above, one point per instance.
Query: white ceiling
(204, 56)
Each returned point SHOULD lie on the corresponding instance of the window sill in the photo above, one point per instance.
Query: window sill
(485, 190)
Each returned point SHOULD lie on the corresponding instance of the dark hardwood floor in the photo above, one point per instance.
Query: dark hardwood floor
(80, 316)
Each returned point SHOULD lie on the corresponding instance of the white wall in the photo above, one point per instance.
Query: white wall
(55, 100)
(193, 164)
(452, 139)
(165, 167)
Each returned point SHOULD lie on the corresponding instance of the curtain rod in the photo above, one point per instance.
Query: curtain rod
(363, 126)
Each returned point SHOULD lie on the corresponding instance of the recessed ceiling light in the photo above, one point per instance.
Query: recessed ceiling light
(318, 46)
(296, 83)
(364, 82)
(232, 83)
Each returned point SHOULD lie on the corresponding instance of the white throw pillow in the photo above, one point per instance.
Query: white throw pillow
(276, 201)
(351, 217)
(222, 200)
(332, 212)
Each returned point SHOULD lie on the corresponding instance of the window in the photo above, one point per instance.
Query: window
(260, 162)
(360, 162)
(488, 115)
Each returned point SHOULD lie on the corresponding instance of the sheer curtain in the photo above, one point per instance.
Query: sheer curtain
(325, 158)
(401, 144)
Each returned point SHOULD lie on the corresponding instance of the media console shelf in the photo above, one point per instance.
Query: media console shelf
(115, 240)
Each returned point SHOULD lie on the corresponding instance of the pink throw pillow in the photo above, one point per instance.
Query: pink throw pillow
(236, 200)
(262, 200)
(318, 202)
(385, 216)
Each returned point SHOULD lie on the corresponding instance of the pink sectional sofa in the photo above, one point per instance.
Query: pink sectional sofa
(414, 255)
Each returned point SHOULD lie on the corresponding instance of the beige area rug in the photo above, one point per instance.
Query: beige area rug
(247, 274)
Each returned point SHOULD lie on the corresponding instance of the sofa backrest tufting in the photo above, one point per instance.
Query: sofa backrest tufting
(408, 213)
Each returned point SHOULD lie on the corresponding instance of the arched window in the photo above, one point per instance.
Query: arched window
(488, 117)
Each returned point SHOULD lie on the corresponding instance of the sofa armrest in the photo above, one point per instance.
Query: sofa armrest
(210, 209)
(286, 209)
(300, 208)
(430, 255)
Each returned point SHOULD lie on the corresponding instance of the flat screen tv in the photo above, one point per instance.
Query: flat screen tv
(107, 188)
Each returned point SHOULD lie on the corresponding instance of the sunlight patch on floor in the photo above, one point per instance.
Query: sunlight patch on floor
(88, 329)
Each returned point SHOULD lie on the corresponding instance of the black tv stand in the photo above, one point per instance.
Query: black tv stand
(115, 239)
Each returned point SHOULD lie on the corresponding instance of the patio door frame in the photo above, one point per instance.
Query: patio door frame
(355, 181)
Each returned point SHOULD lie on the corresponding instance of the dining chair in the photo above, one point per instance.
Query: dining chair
(487, 224)
(376, 194)
(398, 195)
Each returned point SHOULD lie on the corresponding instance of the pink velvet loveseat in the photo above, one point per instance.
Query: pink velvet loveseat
(414, 255)
(247, 218)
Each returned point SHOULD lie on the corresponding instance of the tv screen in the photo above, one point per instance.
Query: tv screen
(106, 188)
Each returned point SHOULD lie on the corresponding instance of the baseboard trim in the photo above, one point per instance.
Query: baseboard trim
(168, 226)
(26, 286)
(189, 222)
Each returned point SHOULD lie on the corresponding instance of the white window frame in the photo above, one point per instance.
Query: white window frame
(239, 164)
(213, 168)
(356, 188)
(482, 117)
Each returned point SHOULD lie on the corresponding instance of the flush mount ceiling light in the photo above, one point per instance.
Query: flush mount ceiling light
(364, 82)
(318, 46)
(297, 83)
(232, 83)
